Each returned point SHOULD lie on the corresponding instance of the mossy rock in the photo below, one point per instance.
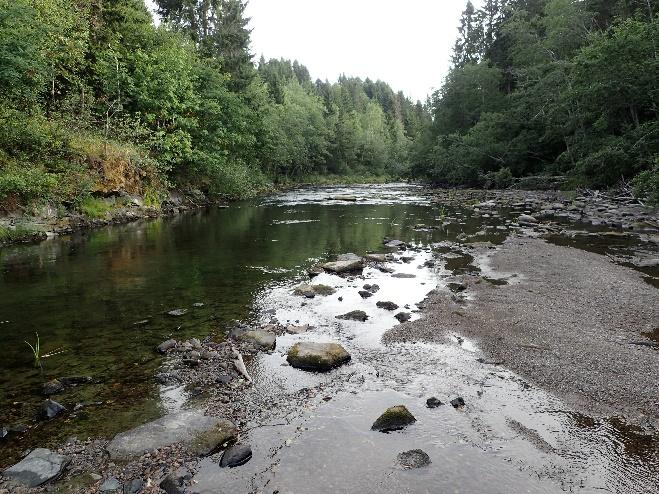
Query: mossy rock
(208, 442)
(393, 419)
(262, 339)
(317, 357)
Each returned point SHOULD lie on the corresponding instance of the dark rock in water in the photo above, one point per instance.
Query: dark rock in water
(318, 357)
(414, 458)
(456, 287)
(53, 387)
(177, 312)
(37, 468)
(75, 380)
(168, 378)
(236, 455)
(174, 483)
(403, 316)
(365, 294)
(110, 485)
(393, 419)
(433, 402)
(50, 409)
(394, 244)
(387, 305)
(403, 275)
(134, 486)
(165, 346)
(458, 402)
(355, 315)
(371, 288)
(350, 256)
(315, 271)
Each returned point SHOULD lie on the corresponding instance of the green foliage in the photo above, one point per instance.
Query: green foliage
(646, 184)
(503, 178)
(93, 207)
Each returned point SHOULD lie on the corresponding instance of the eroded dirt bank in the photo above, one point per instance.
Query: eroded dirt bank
(570, 321)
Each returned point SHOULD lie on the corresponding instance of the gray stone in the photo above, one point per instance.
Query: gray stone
(403, 316)
(310, 291)
(372, 288)
(52, 387)
(339, 267)
(345, 198)
(174, 483)
(526, 219)
(458, 402)
(291, 329)
(376, 257)
(236, 455)
(165, 346)
(394, 244)
(187, 426)
(37, 468)
(393, 419)
(403, 275)
(414, 458)
(365, 294)
(134, 486)
(50, 409)
(262, 339)
(433, 402)
(319, 357)
(177, 312)
(110, 485)
(354, 315)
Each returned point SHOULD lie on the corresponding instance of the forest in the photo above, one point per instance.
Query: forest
(96, 97)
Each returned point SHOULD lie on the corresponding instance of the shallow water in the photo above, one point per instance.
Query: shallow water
(86, 292)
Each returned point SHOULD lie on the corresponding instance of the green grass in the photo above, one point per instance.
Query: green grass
(9, 235)
(94, 208)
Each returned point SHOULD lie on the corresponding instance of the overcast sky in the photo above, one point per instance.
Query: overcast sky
(405, 43)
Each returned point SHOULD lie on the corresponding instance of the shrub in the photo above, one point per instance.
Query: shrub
(94, 208)
(646, 185)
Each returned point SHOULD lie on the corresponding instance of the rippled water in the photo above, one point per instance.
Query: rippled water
(87, 292)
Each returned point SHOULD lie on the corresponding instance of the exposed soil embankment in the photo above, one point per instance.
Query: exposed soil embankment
(570, 321)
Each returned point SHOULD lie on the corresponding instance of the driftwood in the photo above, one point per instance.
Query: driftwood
(240, 365)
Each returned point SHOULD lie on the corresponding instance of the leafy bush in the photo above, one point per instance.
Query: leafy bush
(503, 178)
(28, 183)
(94, 208)
(646, 185)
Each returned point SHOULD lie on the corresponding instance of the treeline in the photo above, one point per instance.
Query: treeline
(95, 99)
(557, 87)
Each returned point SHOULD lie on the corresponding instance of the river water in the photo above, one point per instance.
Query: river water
(103, 298)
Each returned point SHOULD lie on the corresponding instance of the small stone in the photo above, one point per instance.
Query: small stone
(262, 339)
(236, 455)
(165, 346)
(297, 329)
(198, 304)
(177, 312)
(53, 387)
(403, 275)
(365, 294)
(433, 402)
(355, 315)
(387, 305)
(414, 458)
(174, 483)
(50, 409)
(458, 402)
(393, 419)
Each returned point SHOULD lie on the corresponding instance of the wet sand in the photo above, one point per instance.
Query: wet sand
(568, 320)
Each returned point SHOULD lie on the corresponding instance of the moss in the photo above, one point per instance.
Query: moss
(394, 418)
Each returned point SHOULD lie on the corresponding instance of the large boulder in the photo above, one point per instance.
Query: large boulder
(393, 419)
(262, 339)
(201, 435)
(318, 357)
(347, 265)
(37, 468)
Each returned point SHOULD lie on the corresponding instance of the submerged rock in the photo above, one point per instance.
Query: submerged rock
(365, 294)
(236, 455)
(393, 419)
(110, 485)
(354, 315)
(371, 288)
(394, 244)
(433, 402)
(37, 468)
(50, 409)
(403, 316)
(187, 426)
(310, 291)
(262, 339)
(291, 329)
(403, 275)
(177, 312)
(318, 357)
(387, 305)
(414, 458)
(134, 486)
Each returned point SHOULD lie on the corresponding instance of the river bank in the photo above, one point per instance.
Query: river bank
(520, 428)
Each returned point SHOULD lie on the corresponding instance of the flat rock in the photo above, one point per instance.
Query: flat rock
(291, 329)
(310, 291)
(348, 266)
(263, 339)
(414, 458)
(526, 218)
(393, 419)
(346, 198)
(37, 468)
(165, 346)
(387, 305)
(394, 244)
(318, 357)
(403, 275)
(236, 455)
(110, 485)
(376, 257)
(177, 312)
(354, 315)
(187, 426)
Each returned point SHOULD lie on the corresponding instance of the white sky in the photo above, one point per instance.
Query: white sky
(405, 43)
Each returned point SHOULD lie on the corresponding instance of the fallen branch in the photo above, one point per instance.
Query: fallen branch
(240, 365)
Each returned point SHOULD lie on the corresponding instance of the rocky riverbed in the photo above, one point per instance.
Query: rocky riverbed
(507, 344)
